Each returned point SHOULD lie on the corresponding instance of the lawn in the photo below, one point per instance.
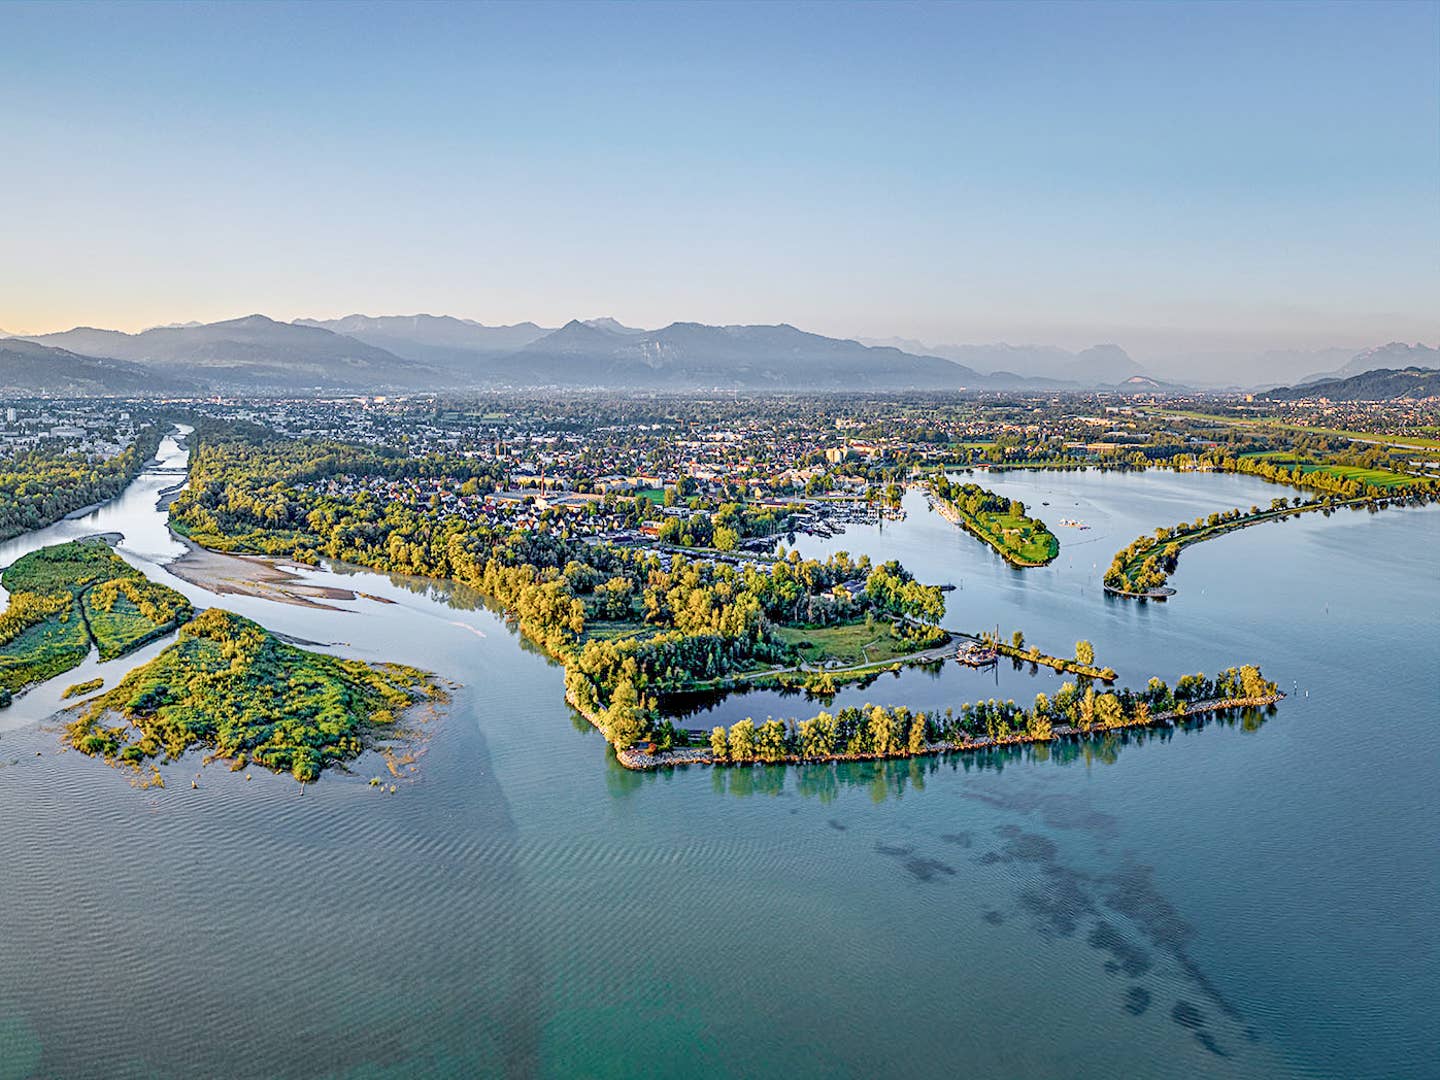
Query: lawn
(1024, 537)
(1409, 442)
(848, 644)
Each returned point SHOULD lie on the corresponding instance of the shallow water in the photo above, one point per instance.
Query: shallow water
(1251, 898)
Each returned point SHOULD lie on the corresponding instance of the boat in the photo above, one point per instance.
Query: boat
(974, 654)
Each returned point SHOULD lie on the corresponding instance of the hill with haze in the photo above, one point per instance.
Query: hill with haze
(28, 368)
(439, 340)
(1395, 356)
(1381, 384)
(253, 351)
(696, 356)
(1099, 365)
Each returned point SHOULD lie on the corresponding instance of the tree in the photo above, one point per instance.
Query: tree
(1108, 713)
(1017, 639)
(916, 740)
(742, 740)
(770, 741)
(1084, 653)
(719, 745)
(624, 719)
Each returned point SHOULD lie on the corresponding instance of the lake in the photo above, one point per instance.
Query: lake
(1239, 899)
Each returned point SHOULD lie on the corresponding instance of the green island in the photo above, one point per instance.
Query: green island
(1141, 569)
(1002, 523)
(876, 732)
(66, 599)
(80, 689)
(235, 689)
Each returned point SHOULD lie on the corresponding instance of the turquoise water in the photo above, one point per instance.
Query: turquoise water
(1249, 898)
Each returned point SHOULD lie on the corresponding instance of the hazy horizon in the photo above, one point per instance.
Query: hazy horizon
(1199, 184)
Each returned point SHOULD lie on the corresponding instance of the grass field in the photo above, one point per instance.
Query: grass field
(1025, 537)
(44, 650)
(655, 495)
(848, 644)
(610, 630)
(1384, 478)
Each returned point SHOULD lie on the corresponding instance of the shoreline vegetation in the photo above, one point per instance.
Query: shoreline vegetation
(632, 626)
(225, 683)
(874, 732)
(233, 688)
(1142, 569)
(1021, 540)
(44, 486)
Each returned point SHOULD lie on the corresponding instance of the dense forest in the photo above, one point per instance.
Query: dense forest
(43, 485)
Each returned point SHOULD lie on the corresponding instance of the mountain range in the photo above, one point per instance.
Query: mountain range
(1395, 356)
(26, 367)
(362, 353)
(254, 351)
(417, 352)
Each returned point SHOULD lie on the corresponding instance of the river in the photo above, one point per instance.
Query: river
(1244, 899)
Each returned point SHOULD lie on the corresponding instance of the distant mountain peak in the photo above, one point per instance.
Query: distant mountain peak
(607, 322)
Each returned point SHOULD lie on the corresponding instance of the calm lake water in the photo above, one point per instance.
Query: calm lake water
(1247, 899)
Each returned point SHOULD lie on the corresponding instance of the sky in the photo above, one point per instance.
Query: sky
(1195, 182)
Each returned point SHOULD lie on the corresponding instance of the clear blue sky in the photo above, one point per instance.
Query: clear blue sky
(1170, 176)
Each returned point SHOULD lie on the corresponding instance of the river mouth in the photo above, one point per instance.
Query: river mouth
(521, 899)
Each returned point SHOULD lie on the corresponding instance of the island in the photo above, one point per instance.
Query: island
(1020, 539)
(225, 684)
(233, 688)
(1141, 569)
